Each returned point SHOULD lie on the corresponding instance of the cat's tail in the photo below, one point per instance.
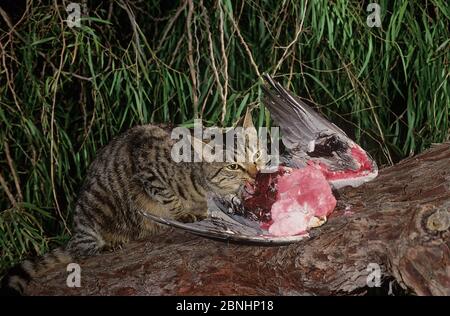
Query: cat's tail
(17, 279)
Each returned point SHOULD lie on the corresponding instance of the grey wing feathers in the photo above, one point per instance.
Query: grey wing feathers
(226, 229)
(221, 224)
(299, 123)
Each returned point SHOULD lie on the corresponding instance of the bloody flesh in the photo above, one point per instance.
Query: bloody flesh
(259, 197)
(285, 201)
(358, 154)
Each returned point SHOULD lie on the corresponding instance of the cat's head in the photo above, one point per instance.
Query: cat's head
(243, 161)
(228, 177)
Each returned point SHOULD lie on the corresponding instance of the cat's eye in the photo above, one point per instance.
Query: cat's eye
(233, 166)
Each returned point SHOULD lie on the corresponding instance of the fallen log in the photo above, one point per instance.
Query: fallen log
(398, 223)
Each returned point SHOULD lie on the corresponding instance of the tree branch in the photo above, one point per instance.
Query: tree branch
(398, 223)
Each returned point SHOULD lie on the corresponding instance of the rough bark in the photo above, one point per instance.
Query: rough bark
(400, 221)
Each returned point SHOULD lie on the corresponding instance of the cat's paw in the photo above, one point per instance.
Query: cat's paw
(190, 218)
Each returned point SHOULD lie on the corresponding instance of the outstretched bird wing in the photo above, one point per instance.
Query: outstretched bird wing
(313, 140)
(225, 225)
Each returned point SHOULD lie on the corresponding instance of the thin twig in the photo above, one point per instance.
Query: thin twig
(297, 34)
(13, 171)
(110, 11)
(12, 28)
(205, 100)
(170, 24)
(7, 191)
(9, 80)
(176, 50)
(241, 38)
(211, 52)
(196, 63)
(52, 121)
(138, 50)
(191, 56)
(6, 18)
(225, 63)
(291, 69)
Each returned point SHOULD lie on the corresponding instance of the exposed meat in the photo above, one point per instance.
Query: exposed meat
(288, 201)
(359, 156)
(260, 196)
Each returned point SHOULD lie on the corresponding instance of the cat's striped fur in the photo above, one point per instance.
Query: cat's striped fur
(135, 172)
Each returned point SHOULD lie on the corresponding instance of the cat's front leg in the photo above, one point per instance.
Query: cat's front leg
(188, 211)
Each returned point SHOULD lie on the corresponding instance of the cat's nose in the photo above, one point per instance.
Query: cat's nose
(252, 170)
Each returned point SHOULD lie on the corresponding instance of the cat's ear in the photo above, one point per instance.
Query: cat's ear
(255, 147)
(252, 143)
(248, 121)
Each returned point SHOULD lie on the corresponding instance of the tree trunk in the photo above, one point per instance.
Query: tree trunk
(399, 223)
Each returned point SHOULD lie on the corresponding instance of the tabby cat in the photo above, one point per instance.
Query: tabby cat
(134, 173)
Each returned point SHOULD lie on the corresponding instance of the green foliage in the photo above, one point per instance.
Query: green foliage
(65, 92)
